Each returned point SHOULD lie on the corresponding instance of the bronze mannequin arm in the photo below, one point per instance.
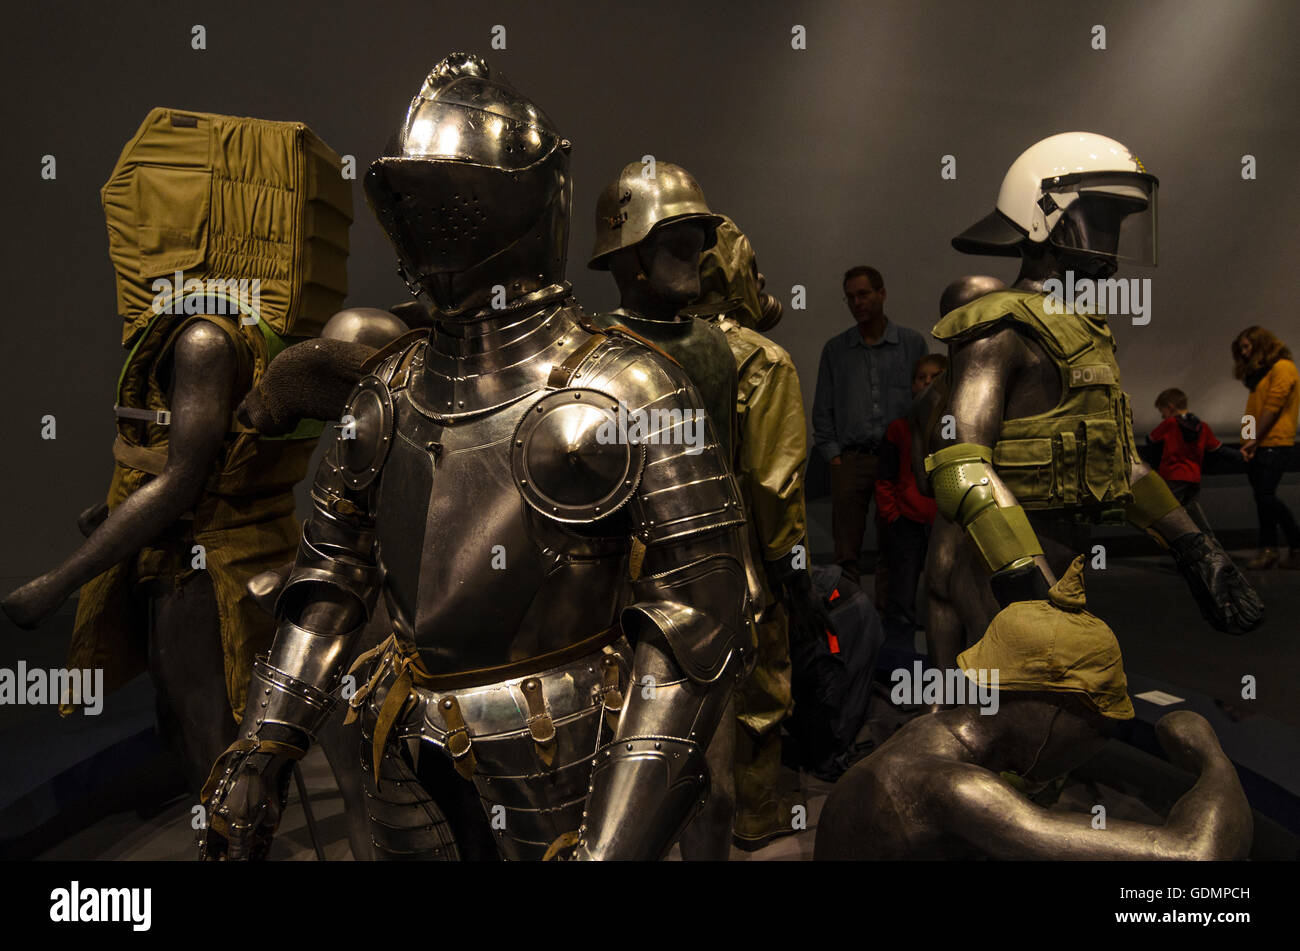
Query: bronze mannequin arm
(201, 402)
(982, 368)
(1212, 821)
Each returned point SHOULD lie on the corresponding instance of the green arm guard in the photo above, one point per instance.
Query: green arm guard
(1152, 501)
(963, 490)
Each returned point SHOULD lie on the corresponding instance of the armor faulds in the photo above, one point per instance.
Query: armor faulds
(478, 488)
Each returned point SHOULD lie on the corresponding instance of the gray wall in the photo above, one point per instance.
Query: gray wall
(827, 157)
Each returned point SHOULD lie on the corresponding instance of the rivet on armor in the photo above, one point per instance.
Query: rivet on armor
(629, 747)
(577, 396)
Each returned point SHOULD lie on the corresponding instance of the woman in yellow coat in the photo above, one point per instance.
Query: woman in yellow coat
(1264, 364)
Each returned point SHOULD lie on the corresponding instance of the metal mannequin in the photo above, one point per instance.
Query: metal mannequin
(965, 809)
(507, 661)
(650, 233)
(926, 412)
(771, 452)
(185, 659)
(1011, 372)
(199, 502)
(954, 784)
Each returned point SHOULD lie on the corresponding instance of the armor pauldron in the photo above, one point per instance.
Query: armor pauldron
(275, 696)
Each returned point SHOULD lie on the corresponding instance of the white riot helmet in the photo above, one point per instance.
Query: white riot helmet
(1077, 190)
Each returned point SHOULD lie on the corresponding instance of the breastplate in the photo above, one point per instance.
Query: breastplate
(474, 577)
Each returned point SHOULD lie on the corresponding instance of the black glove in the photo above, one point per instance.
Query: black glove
(1226, 599)
(810, 617)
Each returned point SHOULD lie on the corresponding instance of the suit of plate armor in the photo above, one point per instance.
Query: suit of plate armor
(475, 483)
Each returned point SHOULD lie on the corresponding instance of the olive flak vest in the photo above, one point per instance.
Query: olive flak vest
(244, 518)
(1077, 456)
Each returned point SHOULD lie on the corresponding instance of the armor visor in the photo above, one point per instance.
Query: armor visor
(1104, 214)
(479, 122)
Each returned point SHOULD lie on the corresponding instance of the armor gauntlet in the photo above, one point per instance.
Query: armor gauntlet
(322, 610)
(687, 621)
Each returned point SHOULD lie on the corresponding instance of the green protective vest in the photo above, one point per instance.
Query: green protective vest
(244, 520)
(1078, 455)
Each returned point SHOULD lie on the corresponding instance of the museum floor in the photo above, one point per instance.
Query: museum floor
(137, 814)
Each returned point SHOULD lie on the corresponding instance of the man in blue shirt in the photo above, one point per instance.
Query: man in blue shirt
(863, 384)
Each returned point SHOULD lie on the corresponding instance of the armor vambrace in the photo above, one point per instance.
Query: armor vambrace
(337, 575)
(688, 622)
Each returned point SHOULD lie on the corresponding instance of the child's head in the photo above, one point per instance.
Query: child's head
(1171, 402)
(926, 369)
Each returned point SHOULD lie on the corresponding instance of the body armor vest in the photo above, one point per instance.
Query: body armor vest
(244, 520)
(1078, 455)
(249, 463)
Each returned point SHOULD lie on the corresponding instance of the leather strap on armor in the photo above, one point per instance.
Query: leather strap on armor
(224, 766)
(540, 725)
(562, 373)
(611, 690)
(459, 743)
(402, 344)
(402, 660)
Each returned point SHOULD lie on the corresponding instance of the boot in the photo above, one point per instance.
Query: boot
(1266, 558)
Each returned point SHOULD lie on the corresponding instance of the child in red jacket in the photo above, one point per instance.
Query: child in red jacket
(1183, 441)
(908, 513)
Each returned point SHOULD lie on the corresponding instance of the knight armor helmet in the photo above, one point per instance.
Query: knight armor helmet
(474, 193)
